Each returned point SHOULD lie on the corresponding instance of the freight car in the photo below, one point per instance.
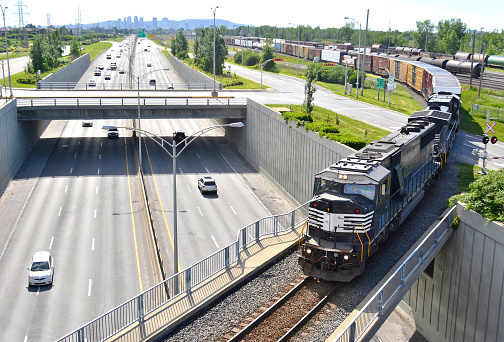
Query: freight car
(495, 61)
(361, 199)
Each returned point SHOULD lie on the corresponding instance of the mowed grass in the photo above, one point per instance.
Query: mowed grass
(467, 174)
(344, 124)
(96, 48)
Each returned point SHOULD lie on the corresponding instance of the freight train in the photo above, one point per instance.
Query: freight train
(358, 201)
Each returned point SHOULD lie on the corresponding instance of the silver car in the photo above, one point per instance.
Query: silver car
(207, 184)
(41, 269)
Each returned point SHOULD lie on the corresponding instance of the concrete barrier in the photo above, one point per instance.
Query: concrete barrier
(16, 141)
(72, 72)
(188, 74)
(288, 155)
(460, 298)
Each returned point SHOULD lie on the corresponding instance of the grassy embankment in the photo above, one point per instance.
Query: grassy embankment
(93, 50)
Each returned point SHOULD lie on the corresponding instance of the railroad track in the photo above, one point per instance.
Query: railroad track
(289, 313)
(490, 80)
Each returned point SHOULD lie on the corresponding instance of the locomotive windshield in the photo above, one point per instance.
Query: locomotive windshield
(324, 185)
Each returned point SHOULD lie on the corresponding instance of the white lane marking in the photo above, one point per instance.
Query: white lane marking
(52, 240)
(200, 211)
(38, 290)
(66, 189)
(92, 244)
(78, 144)
(180, 169)
(207, 170)
(25, 338)
(197, 155)
(99, 157)
(95, 213)
(59, 212)
(89, 287)
(96, 192)
(189, 188)
(215, 242)
(243, 181)
(101, 144)
(98, 171)
(71, 169)
(75, 155)
(233, 210)
(499, 164)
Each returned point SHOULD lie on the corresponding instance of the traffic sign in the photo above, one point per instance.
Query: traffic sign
(380, 83)
(490, 127)
(141, 34)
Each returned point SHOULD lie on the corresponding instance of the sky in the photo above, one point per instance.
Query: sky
(399, 15)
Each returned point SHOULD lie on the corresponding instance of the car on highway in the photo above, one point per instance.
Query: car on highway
(113, 66)
(92, 83)
(97, 72)
(101, 67)
(41, 269)
(113, 133)
(122, 71)
(109, 56)
(178, 136)
(118, 56)
(152, 81)
(87, 123)
(149, 65)
(207, 184)
(107, 76)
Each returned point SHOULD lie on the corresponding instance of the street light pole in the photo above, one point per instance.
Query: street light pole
(214, 93)
(6, 51)
(358, 57)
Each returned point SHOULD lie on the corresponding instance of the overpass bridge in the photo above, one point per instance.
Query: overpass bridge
(128, 107)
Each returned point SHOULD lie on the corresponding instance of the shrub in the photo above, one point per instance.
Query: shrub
(486, 196)
(251, 58)
(299, 117)
(347, 139)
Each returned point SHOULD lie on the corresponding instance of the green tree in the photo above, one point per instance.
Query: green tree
(37, 53)
(311, 76)
(486, 196)
(268, 53)
(180, 46)
(75, 49)
(424, 35)
(347, 31)
(203, 50)
(449, 36)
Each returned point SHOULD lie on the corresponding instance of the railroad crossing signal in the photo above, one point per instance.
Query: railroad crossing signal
(490, 127)
(278, 59)
(329, 64)
(493, 140)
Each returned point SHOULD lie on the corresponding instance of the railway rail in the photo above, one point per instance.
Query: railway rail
(288, 314)
(489, 80)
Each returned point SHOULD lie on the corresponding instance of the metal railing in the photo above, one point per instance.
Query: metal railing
(393, 288)
(109, 85)
(135, 309)
(130, 101)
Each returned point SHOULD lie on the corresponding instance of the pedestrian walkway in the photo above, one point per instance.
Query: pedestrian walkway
(179, 309)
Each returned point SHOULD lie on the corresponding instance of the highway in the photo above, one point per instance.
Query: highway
(77, 197)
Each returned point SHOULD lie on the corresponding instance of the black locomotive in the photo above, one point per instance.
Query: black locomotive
(361, 199)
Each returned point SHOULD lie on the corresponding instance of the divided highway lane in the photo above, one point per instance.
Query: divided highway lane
(86, 212)
(206, 222)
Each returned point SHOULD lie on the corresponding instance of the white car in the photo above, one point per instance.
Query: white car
(87, 123)
(207, 184)
(92, 83)
(41, 269)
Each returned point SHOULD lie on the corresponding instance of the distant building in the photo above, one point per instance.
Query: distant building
(154, 23)
(141, 22)
(135, 22)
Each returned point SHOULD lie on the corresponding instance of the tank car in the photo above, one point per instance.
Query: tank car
(456, 67)
(361, 199)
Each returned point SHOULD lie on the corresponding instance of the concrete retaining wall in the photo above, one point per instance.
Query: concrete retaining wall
(188, 74)
(290, 156)
(17, 138)
(463, 301)
(72, 72)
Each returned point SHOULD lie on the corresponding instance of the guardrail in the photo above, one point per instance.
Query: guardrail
(130, 101)
(125, 86)
(135, 309)
(392, 290)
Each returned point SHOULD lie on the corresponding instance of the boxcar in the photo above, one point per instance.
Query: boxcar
(399, 68)
(436, 80)
(379, 64)
(415, 76)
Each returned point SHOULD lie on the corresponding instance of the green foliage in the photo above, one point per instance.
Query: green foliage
(29, 79)
(180, 46)
(268, 53)
(333, 75)
(299, 117)
(46, 51)
(449, 36)
(203, 50)
(311, 77)
(75, 49)
(486, 196)
(424, 35)
(347, 139)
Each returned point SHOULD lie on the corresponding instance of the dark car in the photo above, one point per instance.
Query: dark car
(178, 136)
(113, 133)
(152, 82)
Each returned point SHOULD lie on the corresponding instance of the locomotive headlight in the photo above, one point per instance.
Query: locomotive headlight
(345, 257)
(341, 176)
(308, 250)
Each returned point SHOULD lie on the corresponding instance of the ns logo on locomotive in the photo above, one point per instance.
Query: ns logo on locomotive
(361, 199)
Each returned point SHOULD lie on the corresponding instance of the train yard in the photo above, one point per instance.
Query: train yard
(490, 80)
